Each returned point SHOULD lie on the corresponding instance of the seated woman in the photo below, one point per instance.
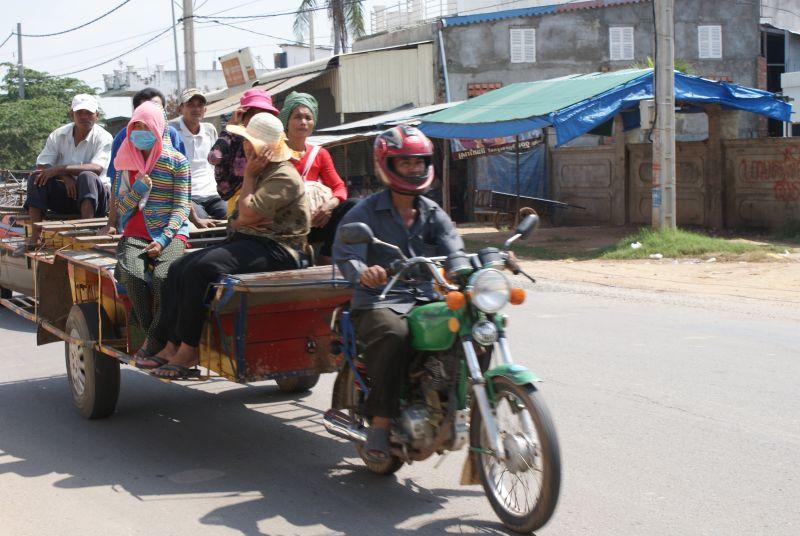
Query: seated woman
(151, 192)
(227, 155)
(314, 163)
(266, 233)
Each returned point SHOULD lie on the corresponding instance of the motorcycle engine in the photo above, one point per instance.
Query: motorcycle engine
(417, 425)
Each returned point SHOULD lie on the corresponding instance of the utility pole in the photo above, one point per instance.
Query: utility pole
(175, 43)
(20, 68)
(664, 210)
(188, 44)
(312, 46)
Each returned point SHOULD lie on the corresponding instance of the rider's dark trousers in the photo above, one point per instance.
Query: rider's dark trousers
(385, 336)
(185, 294)
(53, 195)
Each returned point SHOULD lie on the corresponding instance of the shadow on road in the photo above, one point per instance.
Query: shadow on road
(255, 445)
(12, 322)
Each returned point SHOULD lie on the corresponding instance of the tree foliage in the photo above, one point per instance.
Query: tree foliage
(26, 123)
(347, 17)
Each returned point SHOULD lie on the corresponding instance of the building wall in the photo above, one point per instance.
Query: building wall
(415, 34)
(577, 42)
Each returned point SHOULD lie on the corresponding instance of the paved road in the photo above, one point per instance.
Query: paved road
(675, 415)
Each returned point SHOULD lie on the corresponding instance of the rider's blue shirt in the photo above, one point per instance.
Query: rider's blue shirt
(432, 234)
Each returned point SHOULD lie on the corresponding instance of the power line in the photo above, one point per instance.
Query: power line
(80, 26)
(137, 36)
(137, 47)
(279, 14)
(282, 39)
(7, 38)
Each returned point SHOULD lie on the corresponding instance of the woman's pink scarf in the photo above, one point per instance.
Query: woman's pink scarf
(129, 157)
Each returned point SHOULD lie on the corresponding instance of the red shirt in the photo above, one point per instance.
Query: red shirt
(322, 170)
(135, 227)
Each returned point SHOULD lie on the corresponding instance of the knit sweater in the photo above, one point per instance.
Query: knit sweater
(166, 212)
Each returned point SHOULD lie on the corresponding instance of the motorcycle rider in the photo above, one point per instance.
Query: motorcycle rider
(402, 216)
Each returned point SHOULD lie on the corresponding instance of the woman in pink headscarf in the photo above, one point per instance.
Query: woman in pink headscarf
(152, 190)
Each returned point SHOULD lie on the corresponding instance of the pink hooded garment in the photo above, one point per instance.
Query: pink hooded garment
(129, 157)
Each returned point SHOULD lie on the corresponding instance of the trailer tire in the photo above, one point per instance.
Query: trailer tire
(93, 377)
(297, 384)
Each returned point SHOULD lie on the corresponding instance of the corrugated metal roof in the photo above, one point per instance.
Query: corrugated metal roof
(462, 20)
(390, 118)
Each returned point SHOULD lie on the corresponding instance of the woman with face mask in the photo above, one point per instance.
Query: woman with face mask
(152, 189)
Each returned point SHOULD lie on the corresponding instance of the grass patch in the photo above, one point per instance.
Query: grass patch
(538, 252)
(682, 243)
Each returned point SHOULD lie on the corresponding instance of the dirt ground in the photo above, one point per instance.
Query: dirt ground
(776, 280)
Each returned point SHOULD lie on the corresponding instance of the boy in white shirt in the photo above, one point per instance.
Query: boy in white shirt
(198, 138)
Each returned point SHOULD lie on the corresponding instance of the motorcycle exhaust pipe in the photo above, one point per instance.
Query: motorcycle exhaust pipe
(340, 425)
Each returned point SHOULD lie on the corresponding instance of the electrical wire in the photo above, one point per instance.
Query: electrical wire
(281, 39)
(107, 13)
(69, 53)
(12, 34)
(137, 47)
(277, 14)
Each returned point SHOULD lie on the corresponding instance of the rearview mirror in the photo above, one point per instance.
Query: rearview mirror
(526, 226)
(355, 233)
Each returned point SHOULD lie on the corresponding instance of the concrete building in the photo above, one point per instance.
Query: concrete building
(127, 81)
(292, 54)
(748, 43)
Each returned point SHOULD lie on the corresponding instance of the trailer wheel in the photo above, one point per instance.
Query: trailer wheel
(93, 377)
(297, 384)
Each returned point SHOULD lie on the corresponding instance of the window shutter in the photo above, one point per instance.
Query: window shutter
(620, 43)
(523, 45)
(709, 41)
(529, 45)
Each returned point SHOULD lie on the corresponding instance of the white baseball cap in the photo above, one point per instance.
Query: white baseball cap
(264, 129)
(82, 101)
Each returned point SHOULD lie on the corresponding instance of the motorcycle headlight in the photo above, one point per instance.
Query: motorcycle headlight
(490, 290)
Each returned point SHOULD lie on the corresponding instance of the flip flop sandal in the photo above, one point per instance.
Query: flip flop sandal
(377, 447)
(182, 373)
(138, 361)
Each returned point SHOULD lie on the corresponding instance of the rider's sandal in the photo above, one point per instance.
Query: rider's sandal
(181, 372)
(148, 362)
(377, 447)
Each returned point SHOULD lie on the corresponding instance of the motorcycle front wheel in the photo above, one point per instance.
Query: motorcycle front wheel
(523, 489)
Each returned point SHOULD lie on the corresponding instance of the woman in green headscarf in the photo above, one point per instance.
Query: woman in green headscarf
(314, 163)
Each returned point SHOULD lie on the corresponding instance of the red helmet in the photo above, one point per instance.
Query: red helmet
(403, 141)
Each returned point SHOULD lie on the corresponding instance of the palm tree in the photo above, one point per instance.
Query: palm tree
(347, 17)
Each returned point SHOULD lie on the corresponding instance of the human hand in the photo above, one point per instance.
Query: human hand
(43, 175)
(153, 249)
(146, 180)
(323, 214)
(71, 185)
(257, 161)
(373, 277)
(203, 223)
(236, 117)
(107, 230)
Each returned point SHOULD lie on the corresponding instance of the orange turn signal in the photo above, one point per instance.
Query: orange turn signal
(455, 300)
(517, 296)
(453, 324)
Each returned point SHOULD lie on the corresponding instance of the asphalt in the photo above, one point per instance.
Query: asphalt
(676, 415)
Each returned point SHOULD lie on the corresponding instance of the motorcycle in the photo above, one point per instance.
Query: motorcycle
(452, 398)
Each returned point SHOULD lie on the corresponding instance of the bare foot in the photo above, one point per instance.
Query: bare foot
(168, 352)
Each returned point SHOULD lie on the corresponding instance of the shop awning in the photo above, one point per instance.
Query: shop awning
(576, 104)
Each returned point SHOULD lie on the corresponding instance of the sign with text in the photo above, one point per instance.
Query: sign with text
(462, 149)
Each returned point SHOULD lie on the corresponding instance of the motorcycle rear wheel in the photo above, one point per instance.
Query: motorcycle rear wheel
(346, 396)
(523, 490)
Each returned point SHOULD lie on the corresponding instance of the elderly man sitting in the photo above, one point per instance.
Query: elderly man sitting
(71, 169)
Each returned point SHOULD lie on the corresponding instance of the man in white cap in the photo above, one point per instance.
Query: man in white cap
(70, 176)
(198, 138)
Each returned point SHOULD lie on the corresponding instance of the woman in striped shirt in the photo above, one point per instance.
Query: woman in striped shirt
(152, 190)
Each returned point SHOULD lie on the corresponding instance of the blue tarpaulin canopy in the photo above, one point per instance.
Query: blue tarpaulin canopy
(575, 105)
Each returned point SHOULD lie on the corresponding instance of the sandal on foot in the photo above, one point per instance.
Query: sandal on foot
(377, 447)
(178, 372)
(148, 362)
